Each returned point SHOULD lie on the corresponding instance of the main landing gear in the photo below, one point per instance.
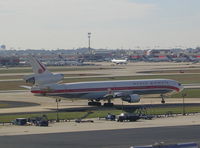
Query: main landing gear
(109, 104)
(163, 99)
(98, 103)
(94, 103)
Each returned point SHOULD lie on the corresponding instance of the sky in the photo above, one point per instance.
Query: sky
(127, 24)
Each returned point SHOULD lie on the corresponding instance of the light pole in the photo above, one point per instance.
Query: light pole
(89, 36)
(57, 101)
(184, 95)
(122, 105)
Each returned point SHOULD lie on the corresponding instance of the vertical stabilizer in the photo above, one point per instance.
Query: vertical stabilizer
(41, 75)
(37, 66)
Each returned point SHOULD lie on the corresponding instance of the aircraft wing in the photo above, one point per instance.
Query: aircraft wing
(27, 87)
(131, 98)
(115, 95)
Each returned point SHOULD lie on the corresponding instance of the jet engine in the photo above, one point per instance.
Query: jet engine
(42, 79)
(133, 98)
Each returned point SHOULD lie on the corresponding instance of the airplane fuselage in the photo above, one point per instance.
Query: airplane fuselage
(98, 89)
(119, 61)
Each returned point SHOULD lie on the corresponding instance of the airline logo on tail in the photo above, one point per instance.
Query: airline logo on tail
(37, 66)
(42, 68)
(41, 75)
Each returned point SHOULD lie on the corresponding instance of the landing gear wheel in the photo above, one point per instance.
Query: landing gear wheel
(90, 103)
(98, 103)
(108, 104)
(94, 103)
(163, 101)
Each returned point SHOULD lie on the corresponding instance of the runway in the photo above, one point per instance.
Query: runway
(123, 138)
(106, 69)
(13, 104)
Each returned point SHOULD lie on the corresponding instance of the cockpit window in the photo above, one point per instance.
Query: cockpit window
(179, 84)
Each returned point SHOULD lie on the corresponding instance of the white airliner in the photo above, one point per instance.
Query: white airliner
(46, 83)
(119, 61)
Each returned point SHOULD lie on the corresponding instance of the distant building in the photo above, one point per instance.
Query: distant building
(158, 52)
(9, 61)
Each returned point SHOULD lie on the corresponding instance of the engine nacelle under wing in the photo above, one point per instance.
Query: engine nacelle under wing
(133, 98)
(41, 79)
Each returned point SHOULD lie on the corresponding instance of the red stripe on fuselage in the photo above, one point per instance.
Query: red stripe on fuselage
(85, 90)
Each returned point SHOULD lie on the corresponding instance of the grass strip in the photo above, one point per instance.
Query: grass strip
(190, 93)
(100, 113)
(174, 110)
(62, 115)
(55, 69)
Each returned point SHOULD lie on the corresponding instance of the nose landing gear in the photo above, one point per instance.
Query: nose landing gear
(109, 104)
(163, 99)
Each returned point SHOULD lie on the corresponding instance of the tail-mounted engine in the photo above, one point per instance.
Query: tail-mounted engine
(42, 79)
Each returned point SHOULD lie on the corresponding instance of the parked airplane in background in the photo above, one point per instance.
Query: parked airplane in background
(119, 61)
(47, 83)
